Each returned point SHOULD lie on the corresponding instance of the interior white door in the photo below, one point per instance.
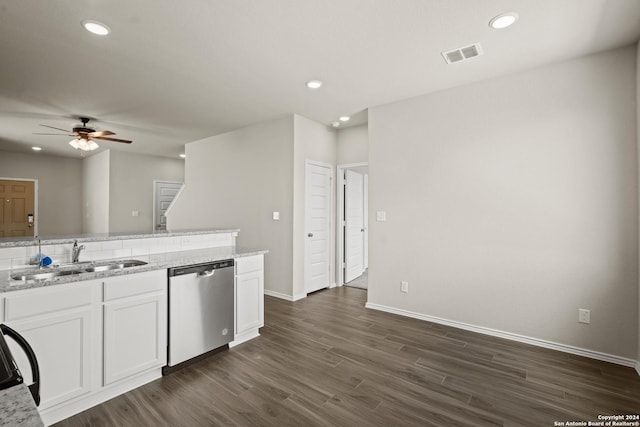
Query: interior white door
(354, 229)
(366, 220)
(164, 193)
(317, 226)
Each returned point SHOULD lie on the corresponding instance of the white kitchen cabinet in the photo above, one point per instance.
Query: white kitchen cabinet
(135, 324)
(94, 340)
(249, 298)
(62, 325)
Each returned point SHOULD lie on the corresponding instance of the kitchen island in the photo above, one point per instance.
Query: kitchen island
(98, 334)
(17, 408)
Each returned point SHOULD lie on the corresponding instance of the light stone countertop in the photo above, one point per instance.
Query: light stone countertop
(12, 242)
(155, 262)
(17, 408)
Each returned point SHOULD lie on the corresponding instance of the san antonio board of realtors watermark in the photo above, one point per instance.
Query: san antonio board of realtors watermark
(629, 420)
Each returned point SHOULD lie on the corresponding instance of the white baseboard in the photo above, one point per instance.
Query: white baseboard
(511, 336)
(299, 297)
(286, 297)
(278, 295)
(254, 333)
(64, 410)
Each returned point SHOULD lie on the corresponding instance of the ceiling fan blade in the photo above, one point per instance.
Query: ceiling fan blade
(104, 138)
(56, 134)
(101, 133)
(63, 130)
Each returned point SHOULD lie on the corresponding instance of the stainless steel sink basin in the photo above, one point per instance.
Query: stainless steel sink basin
(80, 264)
(132, 263)
(92, 268)
(115, 265)
(105, 267)
(42, 275)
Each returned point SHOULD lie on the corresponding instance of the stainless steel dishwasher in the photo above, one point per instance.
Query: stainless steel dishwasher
(201, 309)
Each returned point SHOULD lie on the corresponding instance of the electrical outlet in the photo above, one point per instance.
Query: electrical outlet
(404, 286)
(276, 216)
(381, 216)
(584, 315)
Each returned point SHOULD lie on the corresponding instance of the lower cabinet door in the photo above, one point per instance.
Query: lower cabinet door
(63, 345)
(135, 336)
(249, 302)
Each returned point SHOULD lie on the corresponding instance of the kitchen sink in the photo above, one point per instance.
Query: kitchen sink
(82, 268)
(43, 275)
(105, 267)
(77, 265)
(115, 265)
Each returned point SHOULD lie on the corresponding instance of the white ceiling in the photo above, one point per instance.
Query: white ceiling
(173, 72)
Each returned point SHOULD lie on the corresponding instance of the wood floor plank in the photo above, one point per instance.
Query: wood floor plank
(326, 360)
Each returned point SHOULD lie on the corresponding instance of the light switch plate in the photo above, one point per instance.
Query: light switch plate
(135, 213)
(276, 216)
(381, 216)
(584, 315)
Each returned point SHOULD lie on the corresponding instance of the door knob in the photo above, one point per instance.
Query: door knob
(310, 235)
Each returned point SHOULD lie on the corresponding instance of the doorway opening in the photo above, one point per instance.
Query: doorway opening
(353, 225)
(164, 193)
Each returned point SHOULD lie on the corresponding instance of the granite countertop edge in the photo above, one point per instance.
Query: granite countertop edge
(155, 262)
(83, 238)
(17, 408)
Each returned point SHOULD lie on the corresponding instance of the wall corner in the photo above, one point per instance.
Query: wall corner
(638, 172)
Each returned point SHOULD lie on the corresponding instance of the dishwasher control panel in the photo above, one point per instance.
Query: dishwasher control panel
(196, 268)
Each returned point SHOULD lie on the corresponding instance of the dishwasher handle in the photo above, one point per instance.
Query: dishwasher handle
(206, 273)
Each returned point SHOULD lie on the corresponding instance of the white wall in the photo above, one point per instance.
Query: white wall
(236, 180)
(353, 145)
(95, 193)
(638, 136)
(131, 188)
(59, 188)
(113, 183)
(240, 178)
(513, 202)
(316, 142)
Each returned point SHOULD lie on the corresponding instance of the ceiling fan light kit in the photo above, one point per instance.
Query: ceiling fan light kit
(85, 136)
(83, 144)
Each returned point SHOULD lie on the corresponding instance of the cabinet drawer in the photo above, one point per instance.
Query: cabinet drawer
(134, 284)
(249, 264)
(44, 301)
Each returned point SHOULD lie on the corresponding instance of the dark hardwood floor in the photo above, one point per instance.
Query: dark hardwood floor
(328, 361)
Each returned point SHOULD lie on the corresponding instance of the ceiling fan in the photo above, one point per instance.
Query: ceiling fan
(85, 135)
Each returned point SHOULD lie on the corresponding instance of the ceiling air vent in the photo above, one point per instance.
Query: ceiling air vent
(462, 53)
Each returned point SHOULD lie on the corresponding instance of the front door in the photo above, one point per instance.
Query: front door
(17, 213)
(318, 227)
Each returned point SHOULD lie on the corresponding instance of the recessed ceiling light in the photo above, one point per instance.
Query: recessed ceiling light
(96, 27)
(314, 84)
(36, 148)
(503, 21)
(344, 118)
(335, 124)
(184, 156)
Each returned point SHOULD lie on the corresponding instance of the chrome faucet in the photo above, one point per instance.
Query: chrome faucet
(75, 252)
(37, 259)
